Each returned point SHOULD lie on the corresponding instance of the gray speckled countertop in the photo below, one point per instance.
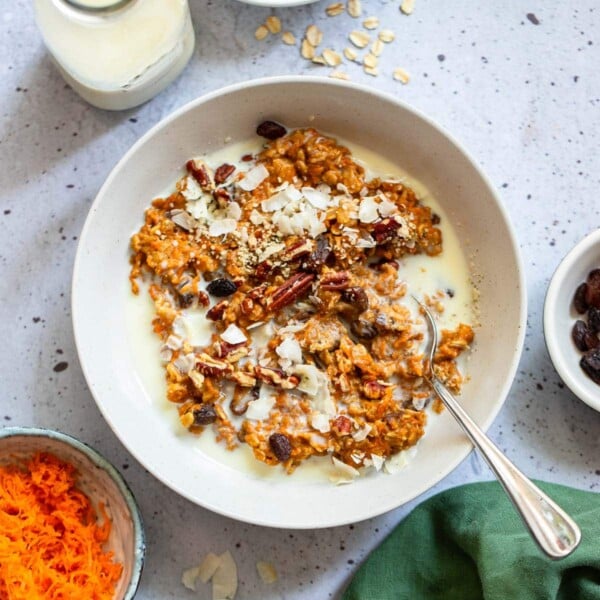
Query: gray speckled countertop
(516, 82)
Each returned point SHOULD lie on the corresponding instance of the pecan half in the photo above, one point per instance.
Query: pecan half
(385, 230)
(216, 312)
(296, 286)
(230, 352)
(342, 425)
(276, 377)
(200, 171)
(223, 173)
(207, 365)
(263, 269)
(335, 281)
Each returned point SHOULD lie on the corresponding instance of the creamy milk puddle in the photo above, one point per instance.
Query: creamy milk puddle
(423, 274)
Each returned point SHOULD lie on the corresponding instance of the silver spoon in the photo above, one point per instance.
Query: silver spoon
(550, 526)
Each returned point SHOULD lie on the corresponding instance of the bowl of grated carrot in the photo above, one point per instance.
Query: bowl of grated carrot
(69, 525)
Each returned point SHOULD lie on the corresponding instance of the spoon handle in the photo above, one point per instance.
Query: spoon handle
(553, 530)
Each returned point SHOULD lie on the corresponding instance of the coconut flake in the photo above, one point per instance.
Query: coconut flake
(399, 461)
(290, 349)
(165, 353)
(188, 578)
(199, 209)
(233, 335)
(366, 242)
(315, 383)
(270, 250)
(207, 568)
(316, 197)
(234, 211)
(179, 327)
(266, 571)
(260, 408)
(386, 207)
(367, 211)
(357, 456)
(291, 328)
(253, 178)
(320, 422)
(183, 219)
(256, 218)
(222, 227)
(377, 461)
(185, 363)
(174, 342)
(343, 473)
(190, 189)
(225, 580)
(361, 434)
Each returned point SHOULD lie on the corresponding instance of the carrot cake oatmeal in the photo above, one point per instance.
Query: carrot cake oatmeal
(294, 256)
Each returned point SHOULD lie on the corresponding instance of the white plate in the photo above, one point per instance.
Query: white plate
(278, 3)
(363, 116)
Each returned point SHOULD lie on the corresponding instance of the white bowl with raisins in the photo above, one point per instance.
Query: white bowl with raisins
(572, 320)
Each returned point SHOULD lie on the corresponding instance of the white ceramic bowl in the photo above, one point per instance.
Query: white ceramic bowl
(101, 482)
(560, 316)
(361, 115)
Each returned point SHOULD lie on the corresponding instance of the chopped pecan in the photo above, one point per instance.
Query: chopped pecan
(335, 281)
(385, 230)
(242, 378)
(223, 173)
(342, 425)
(263, 269)
(200, 171)
(276, 377)
(375, 390)
(222, 196)
(230, 352)
(296, 286)
(296, 250)
(216, 312)
(212, 367)
(257, 292)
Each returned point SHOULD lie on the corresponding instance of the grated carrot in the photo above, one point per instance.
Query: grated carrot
(50, 540)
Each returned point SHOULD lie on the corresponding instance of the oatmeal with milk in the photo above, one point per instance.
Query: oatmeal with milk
(299, 268)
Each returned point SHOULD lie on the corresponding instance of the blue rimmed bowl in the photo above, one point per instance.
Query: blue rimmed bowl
(101, 482)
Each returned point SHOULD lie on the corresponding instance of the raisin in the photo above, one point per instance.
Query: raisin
(435, 219)
(594, 319)
(205, 415)
(319, 257)
(221, 287)
(357, 297)
(271, 130)
(579, 301)
(592, 295)
(186, 300)
(280, 444)
(583, 337)
(590, 363)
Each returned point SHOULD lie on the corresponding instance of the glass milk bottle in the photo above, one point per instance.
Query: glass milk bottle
(117, 53)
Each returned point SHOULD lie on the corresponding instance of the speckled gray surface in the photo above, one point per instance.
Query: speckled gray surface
(516, 83)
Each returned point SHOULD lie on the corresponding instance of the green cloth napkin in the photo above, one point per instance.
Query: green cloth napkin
(468, 543)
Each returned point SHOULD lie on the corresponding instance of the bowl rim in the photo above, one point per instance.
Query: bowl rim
(99, 461)
(550, 305)
(331, 83)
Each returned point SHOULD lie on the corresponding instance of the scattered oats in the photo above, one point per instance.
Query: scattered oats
(387, 36)
(319, 60)
(350, 53)
(225, 580)
(273, 24)
(261, 33)
(188, 578)
(371, 23)
(314, 35)
(339, 75)
(359, 38)
(332, 58)
(266, 572)
(307, 51)
(377, 47)
(335, 9)
(370, 61)
(373, 71)
(354, 8)
(401, 75)
(407, 6)
(288, 38)
(210, 563)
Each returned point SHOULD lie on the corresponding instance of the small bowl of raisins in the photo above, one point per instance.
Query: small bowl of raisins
(572, 320)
